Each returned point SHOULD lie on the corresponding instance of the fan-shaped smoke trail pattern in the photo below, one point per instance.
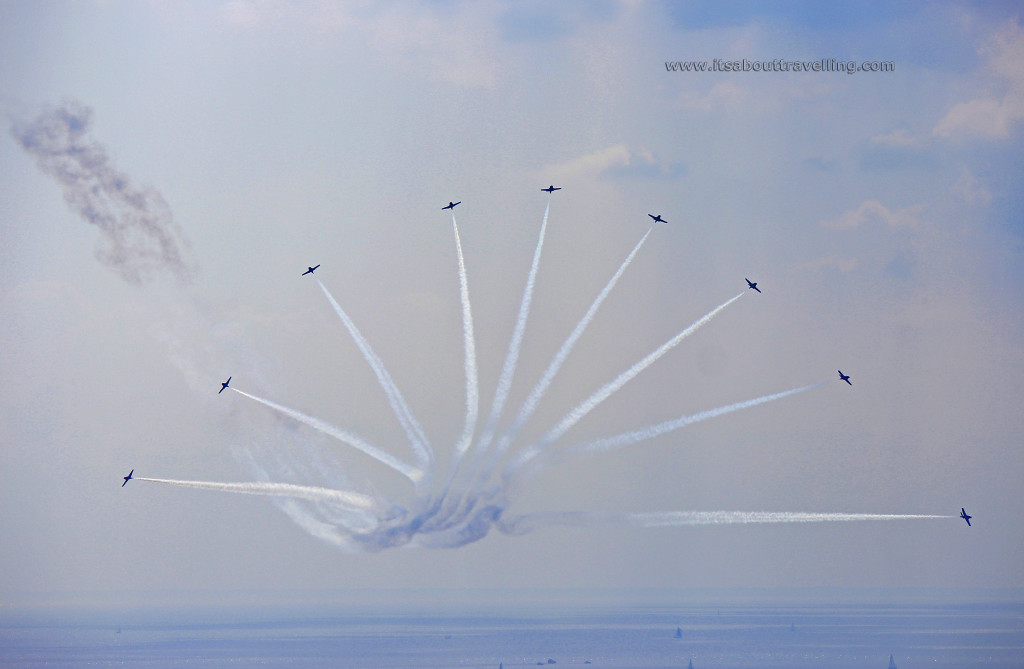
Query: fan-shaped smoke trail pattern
(533, 400)
(141, 241)
(412, 473)
(469, 343)
(606, 391)
(558, 456)
(408, 422)
(346, 498)
(441, 514)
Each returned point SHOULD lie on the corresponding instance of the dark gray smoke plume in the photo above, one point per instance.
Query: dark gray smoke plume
(140, 236)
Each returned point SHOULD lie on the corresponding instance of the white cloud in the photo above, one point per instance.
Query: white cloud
(873, 211)
(724, 95)
(993, 115)
(253, 13)
(836, 263)
(971, 189)
(456, 47)
(592, 163)
(898, 139)
(617, 159)
(983, 117)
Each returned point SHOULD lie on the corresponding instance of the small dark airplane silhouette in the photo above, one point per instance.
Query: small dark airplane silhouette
(451, 205)
(129, 478)
(224, 385)
(963, 514)
(658, 218)
(752, 284)
(551, 189)
(844, 377)
(310, 270)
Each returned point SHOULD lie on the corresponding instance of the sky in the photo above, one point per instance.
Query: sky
(169, 169)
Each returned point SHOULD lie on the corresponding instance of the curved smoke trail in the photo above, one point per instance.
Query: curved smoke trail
(409, 423)
(353, 440)
(351, 499)
(610, 388)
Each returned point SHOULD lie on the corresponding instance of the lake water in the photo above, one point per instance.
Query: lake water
(989, 635)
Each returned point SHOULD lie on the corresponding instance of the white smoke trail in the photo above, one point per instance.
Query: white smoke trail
(528, 408)
(508, 371)
(652, 431)
(408, 422)
(472, 392)
(352, 499)
(523, 524)
(533, 400)
(606, 444)
(610, 388)
(412, 473)
(678, 518)
(529, 522)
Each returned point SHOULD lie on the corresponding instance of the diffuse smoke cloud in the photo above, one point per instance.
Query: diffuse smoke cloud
(140, 238)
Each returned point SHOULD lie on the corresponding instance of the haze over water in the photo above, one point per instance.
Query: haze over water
(573, 629)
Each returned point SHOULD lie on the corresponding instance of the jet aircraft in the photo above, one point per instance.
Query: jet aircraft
(224, 385)
(451, 205)
(752, 284)
(129, 478)
(658, 218)
(310, 270)
(844, 377)
(963, 514)
(551, 189)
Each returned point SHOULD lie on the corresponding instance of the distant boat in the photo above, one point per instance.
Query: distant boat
(892, 662)
(679, 632)
(691, 665)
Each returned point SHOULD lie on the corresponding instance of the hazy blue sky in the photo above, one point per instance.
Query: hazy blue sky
(880, 213)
